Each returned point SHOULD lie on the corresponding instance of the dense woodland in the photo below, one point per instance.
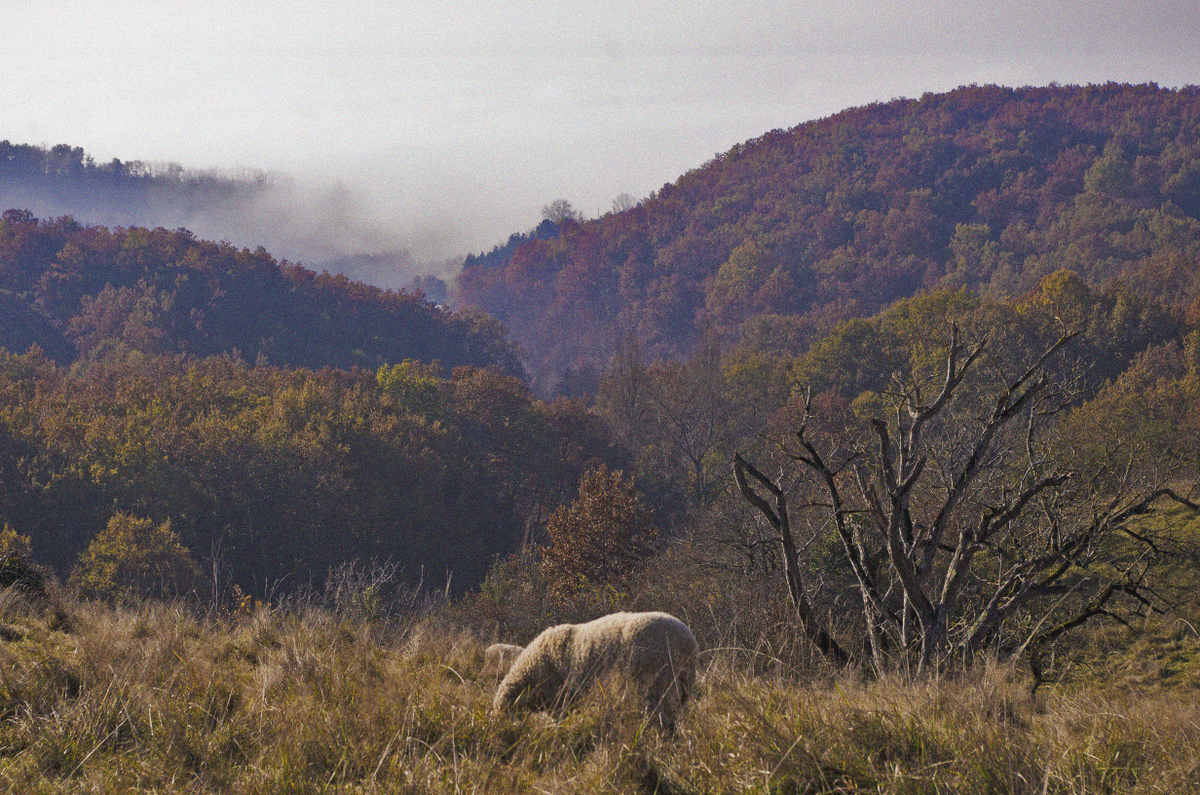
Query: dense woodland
(194, 406)
(93, 292)
(131, 347)
(282, 473)
(776, 240)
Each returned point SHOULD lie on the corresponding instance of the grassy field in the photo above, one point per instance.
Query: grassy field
(154, 698)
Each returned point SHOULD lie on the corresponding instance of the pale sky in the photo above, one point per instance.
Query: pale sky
(445, 126)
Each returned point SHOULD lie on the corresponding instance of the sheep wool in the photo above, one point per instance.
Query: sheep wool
(498, 657)
(653, 653)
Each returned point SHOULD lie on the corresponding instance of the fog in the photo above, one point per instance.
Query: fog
(323, 226)
(440, 128)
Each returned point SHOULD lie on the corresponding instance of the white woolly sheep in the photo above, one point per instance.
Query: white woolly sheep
(653, 653)
(498, 658)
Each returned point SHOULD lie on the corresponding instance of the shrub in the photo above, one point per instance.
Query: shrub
(601, 539)
(134, 557)
(18, 571)
(12, 541)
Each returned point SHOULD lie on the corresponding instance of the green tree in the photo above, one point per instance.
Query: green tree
(731, 297)
(1112, 173)
(415, 387)
(134, 557)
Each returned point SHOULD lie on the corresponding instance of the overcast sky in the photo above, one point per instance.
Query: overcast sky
(449, 124)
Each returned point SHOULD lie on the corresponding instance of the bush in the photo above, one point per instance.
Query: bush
(12, 541)
(133, 557)
(16, 570)
(599, 541)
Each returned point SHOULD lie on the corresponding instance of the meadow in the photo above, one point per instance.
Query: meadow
(168, 697)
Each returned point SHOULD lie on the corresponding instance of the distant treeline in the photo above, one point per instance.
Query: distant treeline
(65, 181)
(64, 162)
(298, 222)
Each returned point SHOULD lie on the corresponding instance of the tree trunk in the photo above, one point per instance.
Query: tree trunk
(778, 517)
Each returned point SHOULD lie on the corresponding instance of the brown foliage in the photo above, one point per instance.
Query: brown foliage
(985, 187)
(601, 538)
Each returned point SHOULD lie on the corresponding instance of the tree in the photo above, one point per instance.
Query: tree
(561, 210)
(697, 416)
(678, 418)
(968, 523)
(601, 538)
(135, 557)
(623, 202)
(778, 517)
(415, 387)
(732, 296)
(624, 398)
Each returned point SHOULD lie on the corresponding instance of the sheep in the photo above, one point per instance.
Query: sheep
(654, 653)
(498, 658)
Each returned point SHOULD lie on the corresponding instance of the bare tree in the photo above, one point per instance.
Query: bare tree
(624, 397)
(561, 210)
(623, 202)
(696, 414)
(966, 520)
(776, 512)
(685, 415)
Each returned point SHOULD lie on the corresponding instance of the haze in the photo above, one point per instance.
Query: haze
(441, 128)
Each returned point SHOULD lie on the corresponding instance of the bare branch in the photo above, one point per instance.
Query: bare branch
(984, 522)
(855, 553)
(778, 517)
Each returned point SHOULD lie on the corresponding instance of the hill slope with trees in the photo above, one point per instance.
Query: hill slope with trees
(225, 405)
(774, 241)
(101, 292)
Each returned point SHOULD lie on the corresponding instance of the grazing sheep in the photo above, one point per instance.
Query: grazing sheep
(498, 658)
(654, 653)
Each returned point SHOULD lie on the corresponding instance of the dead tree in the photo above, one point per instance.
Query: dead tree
(965, 524)
(777, 515)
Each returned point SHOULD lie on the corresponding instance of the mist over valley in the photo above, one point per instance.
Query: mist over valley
(322, 225)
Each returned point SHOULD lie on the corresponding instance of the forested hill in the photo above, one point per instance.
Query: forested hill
(770, 243)
(102, 293)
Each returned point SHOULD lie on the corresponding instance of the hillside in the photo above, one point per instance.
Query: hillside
(21, 328)
(770, 243)
(103, 292)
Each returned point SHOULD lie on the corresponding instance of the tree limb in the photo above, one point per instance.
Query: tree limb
(778, 517)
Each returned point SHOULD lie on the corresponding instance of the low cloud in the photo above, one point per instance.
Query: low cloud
(323, 227)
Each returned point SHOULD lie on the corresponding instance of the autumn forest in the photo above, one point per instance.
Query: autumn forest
(563, 434)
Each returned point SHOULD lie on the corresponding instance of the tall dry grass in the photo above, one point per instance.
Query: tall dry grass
(162, 698)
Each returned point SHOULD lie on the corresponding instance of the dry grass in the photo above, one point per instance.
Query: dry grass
(154, 699)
